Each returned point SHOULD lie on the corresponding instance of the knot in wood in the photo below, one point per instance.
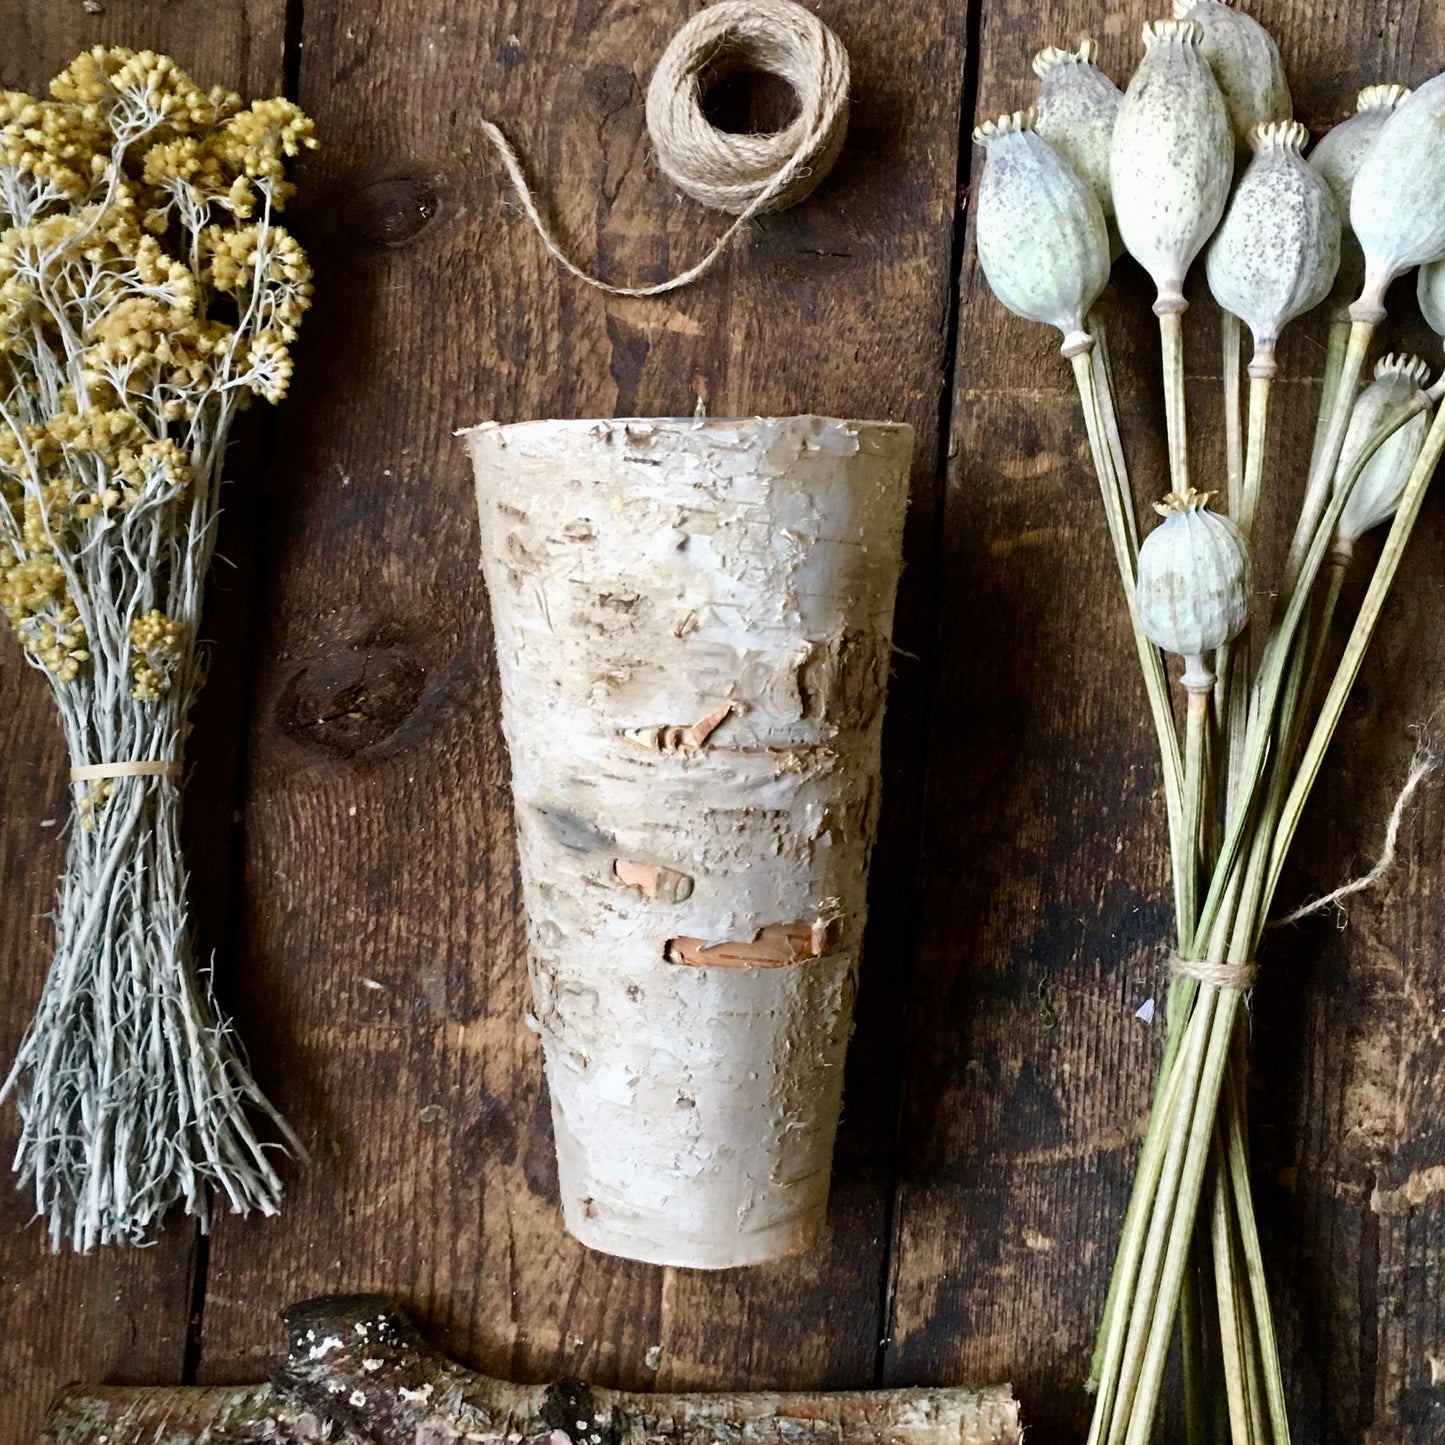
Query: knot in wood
(351, 699)
(571, 1407)
(390, 213)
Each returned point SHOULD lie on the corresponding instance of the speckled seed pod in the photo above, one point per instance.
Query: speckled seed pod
(1194, 577)
(1337, 156)
(1245, 61)
(1277, 249)
(1172, 157)
(1397, 206)
(1041, 235)
(1430, 288)
(1398, 383)
(1075, 111)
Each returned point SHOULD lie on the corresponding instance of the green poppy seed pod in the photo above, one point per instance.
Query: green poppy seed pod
(1194, 578)
(1430, 288)
(1075, 111)
(1398, 388)
(1277, 250)
(1245, 61)
(1172, 158)
(1397, 206)
(1337, 156)
(1041, 235)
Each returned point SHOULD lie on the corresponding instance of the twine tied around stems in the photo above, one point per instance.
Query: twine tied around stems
(743, 175)
(137, 768)
(1238, 976)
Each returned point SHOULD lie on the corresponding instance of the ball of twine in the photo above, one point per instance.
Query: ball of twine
(743, 175)
(749, 173)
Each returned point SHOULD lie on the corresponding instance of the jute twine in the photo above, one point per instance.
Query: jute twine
(744, 175)
(1238, 976)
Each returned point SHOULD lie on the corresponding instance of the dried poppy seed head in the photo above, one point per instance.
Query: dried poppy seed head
(1397, 205)
(1041, 236)
(1276, 252)
(1245, 61)
(1016, 121)
(1075, 110)
(1380, 97)
(1430, 291)
(1172, 157)
(1283, 135)
(1402, 365)
(1337, 156)
(1194, 578)
(1396, 390)
(1051, 57)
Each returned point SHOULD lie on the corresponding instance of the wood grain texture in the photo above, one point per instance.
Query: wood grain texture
(377, 974)
(1030, 1074)
(118, 1315)
(385, 990)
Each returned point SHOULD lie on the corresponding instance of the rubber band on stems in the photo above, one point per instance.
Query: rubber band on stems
(743, 175)
(137, 768)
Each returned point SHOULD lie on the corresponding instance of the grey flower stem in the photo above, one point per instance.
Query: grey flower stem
(1255, 451)
(1156, 686)
(1104, 380)
(1235, 1349)
(1171, 346)
(1237, 1158)
(1336, 344)
(1230, 331)
(1364, 629)
(1317, 490)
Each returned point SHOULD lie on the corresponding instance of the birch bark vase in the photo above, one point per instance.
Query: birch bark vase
(693, 624)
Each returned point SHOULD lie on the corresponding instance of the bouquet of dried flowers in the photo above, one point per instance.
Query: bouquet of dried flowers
(146, 294)
(1200, 152)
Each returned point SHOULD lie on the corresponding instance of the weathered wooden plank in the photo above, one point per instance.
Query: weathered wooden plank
(120, 1315)
(385, 987)
(1028, 1072)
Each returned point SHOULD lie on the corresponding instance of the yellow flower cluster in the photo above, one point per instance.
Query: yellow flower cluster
(155, 641)
(33, 591)
(237, 259)
(94, 80)
(53, 143)
(143, 291)
(97, 794)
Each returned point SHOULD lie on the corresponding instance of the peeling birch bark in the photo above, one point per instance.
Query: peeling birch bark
(693, 624)
(358, 1373)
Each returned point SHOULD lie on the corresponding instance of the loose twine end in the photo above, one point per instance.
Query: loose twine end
(1422, 764)
(744, 175)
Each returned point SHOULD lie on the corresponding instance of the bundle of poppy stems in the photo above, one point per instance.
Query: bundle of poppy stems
(1200, 156)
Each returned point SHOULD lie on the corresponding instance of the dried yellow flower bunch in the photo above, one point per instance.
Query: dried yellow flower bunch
(134, 201)
(147, 293)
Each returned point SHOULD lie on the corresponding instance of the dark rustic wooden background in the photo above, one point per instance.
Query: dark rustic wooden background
(350, 821)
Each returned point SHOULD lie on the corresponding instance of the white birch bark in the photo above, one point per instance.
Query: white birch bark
(693, 625)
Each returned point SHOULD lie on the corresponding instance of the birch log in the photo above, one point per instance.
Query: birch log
(358, 1373)
(693, 624)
